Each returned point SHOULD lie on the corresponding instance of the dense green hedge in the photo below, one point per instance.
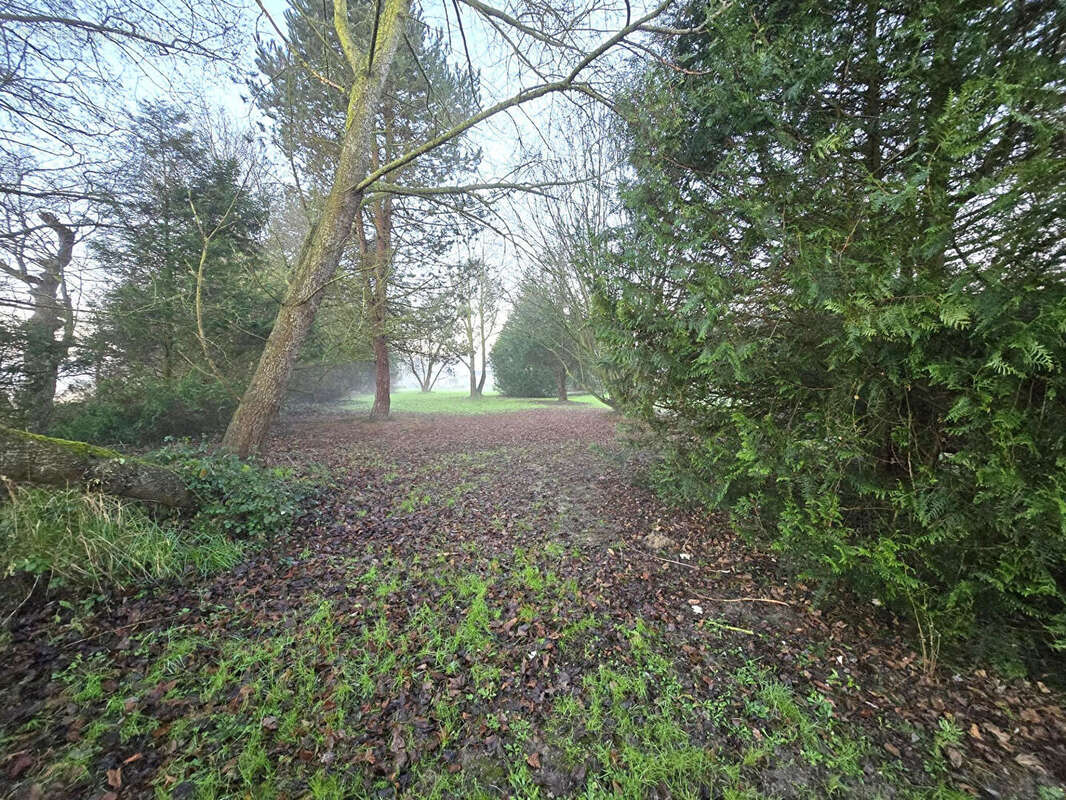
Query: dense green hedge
(841, 300)
(527, 358)
(146, 410)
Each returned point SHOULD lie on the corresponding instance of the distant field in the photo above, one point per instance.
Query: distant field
(460, 403)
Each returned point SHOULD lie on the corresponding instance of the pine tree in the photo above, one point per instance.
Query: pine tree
(174, 193)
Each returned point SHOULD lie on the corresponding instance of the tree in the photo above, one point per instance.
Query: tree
(63, 65)
(841, 295)
(41, 267)
(564, 249)
(420, 96)
(478, 296)
(527, 360)
(425, 336)
(353, 177)
(66, 66)
(187, 289)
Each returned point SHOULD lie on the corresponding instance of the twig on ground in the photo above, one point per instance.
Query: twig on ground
(743, 600)
(683, 564)
(733, 628)
(670, 560)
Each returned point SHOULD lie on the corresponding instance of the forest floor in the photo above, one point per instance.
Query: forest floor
(491, 606)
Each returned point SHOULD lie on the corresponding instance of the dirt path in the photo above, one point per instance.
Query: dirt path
(473, 607)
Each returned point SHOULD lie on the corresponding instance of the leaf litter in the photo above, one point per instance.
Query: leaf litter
(494, 606)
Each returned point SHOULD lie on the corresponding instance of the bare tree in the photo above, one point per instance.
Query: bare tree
(564, 249)
(479, 295)
(40, 255)
(425, 335)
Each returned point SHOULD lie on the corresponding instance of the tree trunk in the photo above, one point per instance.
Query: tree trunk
(382, 380)
(325, 243)
(560, 378)
(484, 348)
(57, 462)
(382, 265)
(471, 353)
(43, 355)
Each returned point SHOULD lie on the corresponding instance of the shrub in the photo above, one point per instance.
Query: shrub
(236, 498)
(845, 320)
(94, 540)
(145, 411)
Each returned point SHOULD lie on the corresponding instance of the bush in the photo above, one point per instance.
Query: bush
(851, 334)
(145, 411)
(236, 498)
(93, 540)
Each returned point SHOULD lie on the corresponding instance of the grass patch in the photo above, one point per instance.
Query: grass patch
(396, 694)
(95, 540)
(460, 403)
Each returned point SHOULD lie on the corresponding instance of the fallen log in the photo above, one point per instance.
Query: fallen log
(32, 458)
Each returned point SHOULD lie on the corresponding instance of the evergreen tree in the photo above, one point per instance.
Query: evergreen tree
(530, 357)
(189, 297)
(842, 288)
(175, 194)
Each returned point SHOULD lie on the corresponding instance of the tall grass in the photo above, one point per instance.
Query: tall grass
(99, 541)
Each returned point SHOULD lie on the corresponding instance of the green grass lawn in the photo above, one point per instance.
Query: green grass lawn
(416, 402)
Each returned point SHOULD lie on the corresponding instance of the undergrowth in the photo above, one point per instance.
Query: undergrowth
(79, 539)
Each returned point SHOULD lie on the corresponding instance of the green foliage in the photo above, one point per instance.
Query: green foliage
(182, 198)
(86, 540)
(236, 498)
(145, 411)
(529, 358)
(517, 369)
(840, 299)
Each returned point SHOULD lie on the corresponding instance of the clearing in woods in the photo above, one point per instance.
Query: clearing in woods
(483, 605)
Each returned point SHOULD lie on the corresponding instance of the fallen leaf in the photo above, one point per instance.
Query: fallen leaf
(1003, 738)
(1031, 761)
(114, 777)
(533, 759)
(20, 765)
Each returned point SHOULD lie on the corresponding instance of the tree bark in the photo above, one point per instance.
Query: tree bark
(43, 354)
(560, 378)
(382, 264)
(33, 458)
(325, 243)
(484, 337)
(382, 380)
